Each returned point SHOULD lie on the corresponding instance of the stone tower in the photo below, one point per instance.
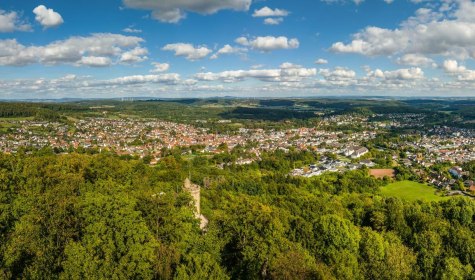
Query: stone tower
(194, 190)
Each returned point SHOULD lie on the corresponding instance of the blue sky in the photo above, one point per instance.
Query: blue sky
(273, 48)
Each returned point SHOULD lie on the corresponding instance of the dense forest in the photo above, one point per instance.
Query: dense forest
(100, 216)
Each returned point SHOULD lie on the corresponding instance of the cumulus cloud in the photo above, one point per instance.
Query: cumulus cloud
(47, 17)
(430, 32)
(268, 12)
(414, 73)
(228, 49)
(242, 41)
(95, 50)
(321, 61)
(453, 68)
(374, 81)
(374, 41)
(339, 77)
(357, 2)
(240, 75)
(135, 55)
(11, 21)
(287, 72)
(87, 86)
(415, 60)
(172, 11)
(160, 67)
(287, 78)
(95, 61)
(269, 43)
(169, 16)
(290, 72)
(339, 73)
(169, 78)
(131, 30)
(466, 11)
(188, 51)
(273, 21)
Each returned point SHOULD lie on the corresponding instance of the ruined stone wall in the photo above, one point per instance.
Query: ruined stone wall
(194, 190)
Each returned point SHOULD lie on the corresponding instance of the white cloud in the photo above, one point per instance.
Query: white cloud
(295, 73)
(374, 41)
(188, 51)
(242, 41)
(273, 21)
(66, 78)
(131, 30)
(414, 73)
(461, 72)
(321, 61)
(286, 79)
(95, 61)
(135, 55)
(257, 66)
(269, 43)
(87, 86)
(340, 77)
(169, 78)
(378, 73)
(287, 72)
(452, 66)
(357, 2)
(240, 75)
(467, 76)
(47, 17)
(169, 16)
(429, 32)
(228, 49)
(70, 51)
(10, 22)
(340, 73)
(190, 82)
(160, 67)
(268, 12)
(466, 11)
(173, 11)
(416, 60)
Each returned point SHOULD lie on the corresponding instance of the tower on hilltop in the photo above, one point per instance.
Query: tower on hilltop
(194, 191)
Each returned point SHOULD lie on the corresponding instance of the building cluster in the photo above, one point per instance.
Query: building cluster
(457, 178)
(441, 144)
(355, 151)
(149, 137)
(399, 120)
(326, 164)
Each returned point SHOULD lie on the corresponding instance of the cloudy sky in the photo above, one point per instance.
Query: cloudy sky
(249, 48)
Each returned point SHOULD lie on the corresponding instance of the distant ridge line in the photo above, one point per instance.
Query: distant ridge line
(332, 97)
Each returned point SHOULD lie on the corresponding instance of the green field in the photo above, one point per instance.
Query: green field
(411, 191)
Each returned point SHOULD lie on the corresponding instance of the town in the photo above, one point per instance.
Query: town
(338, 150)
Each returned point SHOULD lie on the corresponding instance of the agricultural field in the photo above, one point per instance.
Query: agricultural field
(412, 191)
(381, 173)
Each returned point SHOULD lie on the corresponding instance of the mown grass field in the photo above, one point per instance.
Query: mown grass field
(411, 191)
